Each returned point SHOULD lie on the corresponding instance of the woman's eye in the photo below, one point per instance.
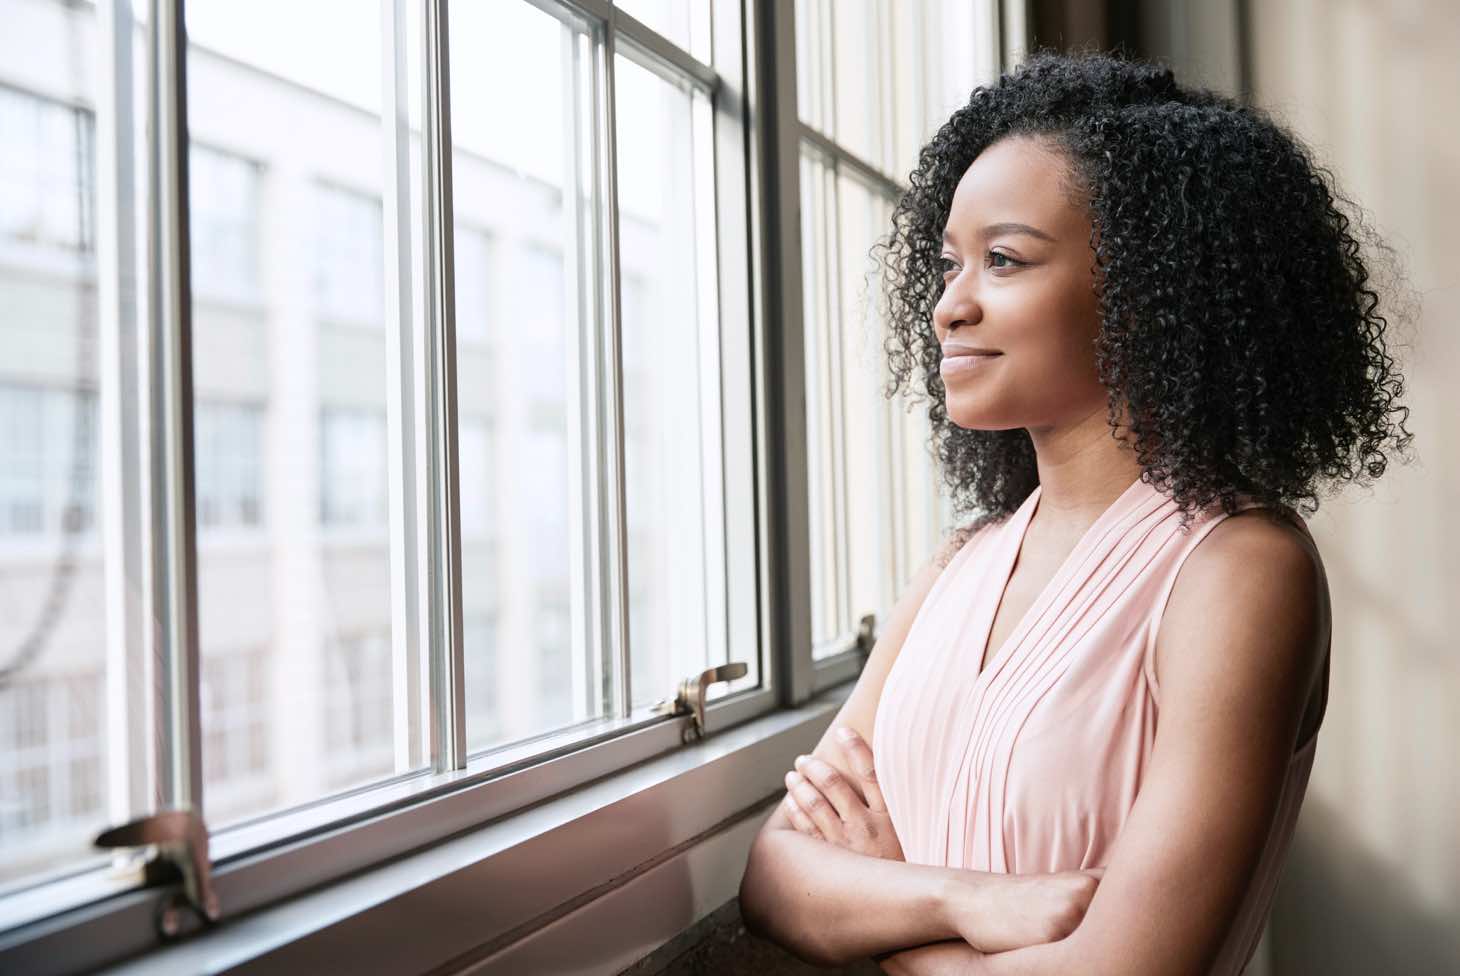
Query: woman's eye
(947, 266)
(997, 255)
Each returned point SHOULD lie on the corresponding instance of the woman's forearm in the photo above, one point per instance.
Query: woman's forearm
(952, 958)
(829, 905)
(958, 958)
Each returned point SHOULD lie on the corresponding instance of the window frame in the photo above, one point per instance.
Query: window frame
(588, 775)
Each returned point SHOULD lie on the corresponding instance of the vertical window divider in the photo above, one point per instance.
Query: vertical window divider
(836, 383)
(448, 720)
(130, 771)
(580, 212)
(174, 588)
(403, 404)
(782, 362)
(613, 536)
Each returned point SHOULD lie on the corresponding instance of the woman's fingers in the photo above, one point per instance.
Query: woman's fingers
(859, 757)
(834, 786)
(799, 820)
(815, 806)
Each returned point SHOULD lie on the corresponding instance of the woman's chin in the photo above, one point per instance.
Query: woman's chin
(977, 419)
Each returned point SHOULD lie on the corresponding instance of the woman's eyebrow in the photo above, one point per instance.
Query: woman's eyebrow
(1006, 227)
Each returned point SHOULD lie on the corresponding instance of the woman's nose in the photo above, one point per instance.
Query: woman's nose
(957, 306)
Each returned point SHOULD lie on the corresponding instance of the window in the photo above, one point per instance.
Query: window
(671, 355)
(295, 314)
(434, 583)
(63, 746)
(48, 452)
(352, 474)
(357, 709)
(225, 208)
(46, 179)
(238, 743)
(350, 259)
(865, 107)
(51, 761)
(473, 285)
(227, 459)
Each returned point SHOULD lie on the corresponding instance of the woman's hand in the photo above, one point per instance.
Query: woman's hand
(1003, 912)
(823, 803)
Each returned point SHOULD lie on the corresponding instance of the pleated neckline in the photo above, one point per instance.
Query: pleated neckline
(1010, 542)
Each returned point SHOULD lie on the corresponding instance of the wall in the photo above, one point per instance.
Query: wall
(1373, 881)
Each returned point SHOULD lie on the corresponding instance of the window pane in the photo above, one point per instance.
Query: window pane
(522, 326)
(67, 688)
(671, 368)
(823, 394)
(869, 511)
(858, 88)
(685, 22)
(812, 65)
(291, 402)
(943, 49)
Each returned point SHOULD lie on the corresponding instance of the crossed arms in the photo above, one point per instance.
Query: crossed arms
(1234, 686)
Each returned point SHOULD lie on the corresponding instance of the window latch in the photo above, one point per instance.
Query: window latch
(867, 633)
(691, 697)
(181, 841)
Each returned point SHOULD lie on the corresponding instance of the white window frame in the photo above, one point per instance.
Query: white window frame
(461, 833)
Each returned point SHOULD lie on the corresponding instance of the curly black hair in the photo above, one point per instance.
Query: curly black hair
(1238, 324)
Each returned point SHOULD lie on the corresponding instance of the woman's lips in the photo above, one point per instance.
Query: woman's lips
(965, 364)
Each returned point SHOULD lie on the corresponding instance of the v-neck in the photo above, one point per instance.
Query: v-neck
(1013, 542)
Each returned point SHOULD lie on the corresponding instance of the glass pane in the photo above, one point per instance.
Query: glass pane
(869, 510)
(942, 50)
(522, 329)
(685, 22)
(813, 64)
(72, 691)
(301, 693)
(857, 86)
(821, 300)
(671, 367)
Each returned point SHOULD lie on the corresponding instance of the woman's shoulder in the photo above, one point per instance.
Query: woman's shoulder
(1257, 572)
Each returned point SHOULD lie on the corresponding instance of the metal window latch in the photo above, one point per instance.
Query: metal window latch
(691, 697)
(867, 633)
(181, 840)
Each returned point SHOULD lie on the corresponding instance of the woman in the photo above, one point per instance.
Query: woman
(1083, 737)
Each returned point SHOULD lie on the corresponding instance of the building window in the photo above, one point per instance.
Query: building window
(50, 765)
(349, 257)
(227, 458)
(223, 208)
(358, 704)
(46, 176)
(474, 448)
(352, 481)
(47, 461)
(473, 288)
(234, 701)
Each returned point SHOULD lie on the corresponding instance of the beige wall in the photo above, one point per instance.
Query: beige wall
(1373, 882)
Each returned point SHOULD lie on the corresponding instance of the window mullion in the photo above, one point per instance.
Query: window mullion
(448, 720)
(174, 552)
(405, 368)
(782, 358)
(123, 382)
(613, 511)
(593, 682)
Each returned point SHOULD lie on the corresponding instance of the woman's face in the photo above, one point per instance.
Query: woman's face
(1018, 281)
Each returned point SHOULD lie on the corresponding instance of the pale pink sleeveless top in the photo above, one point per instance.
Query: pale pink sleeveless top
(1033, 765)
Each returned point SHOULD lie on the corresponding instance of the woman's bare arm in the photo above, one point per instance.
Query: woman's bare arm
(829, 905)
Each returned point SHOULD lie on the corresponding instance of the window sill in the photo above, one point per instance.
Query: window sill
(562, 884)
